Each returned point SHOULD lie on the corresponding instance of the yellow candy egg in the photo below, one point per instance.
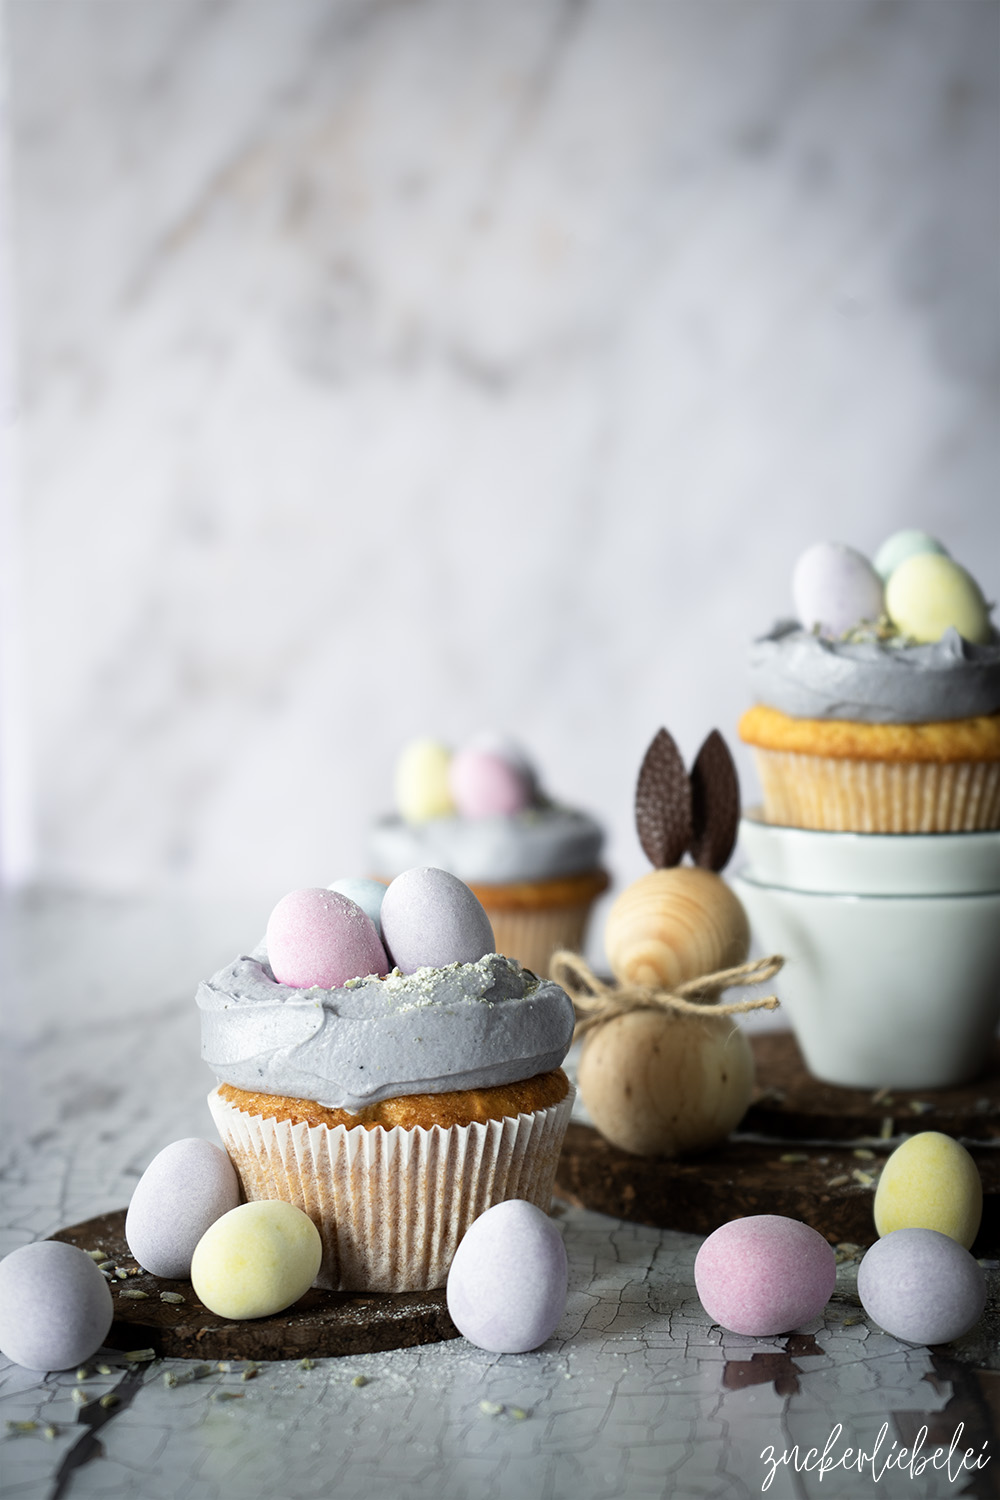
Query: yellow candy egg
(256, 1260)
(930, 592)
(930, 1182)
(421, 782)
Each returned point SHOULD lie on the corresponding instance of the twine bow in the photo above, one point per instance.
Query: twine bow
(596, 1002)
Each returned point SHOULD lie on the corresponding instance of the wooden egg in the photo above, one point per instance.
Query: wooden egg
(658, 1083)
(673, 925)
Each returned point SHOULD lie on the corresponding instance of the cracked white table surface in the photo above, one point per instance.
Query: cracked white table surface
(637, 1394)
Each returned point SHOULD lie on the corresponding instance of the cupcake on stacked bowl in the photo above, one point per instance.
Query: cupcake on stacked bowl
(480, 812)
(382, 1067)
(874, 863)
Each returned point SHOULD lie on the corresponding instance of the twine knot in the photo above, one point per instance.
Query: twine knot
(596, 1003)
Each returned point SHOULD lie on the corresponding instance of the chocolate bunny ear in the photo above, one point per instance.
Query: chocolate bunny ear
(663, 803)
(715, 804)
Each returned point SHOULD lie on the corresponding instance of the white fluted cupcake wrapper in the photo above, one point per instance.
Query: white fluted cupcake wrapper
(392, 1205)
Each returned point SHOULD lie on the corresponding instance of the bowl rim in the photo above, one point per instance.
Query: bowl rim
(753, 816)
(747, 877)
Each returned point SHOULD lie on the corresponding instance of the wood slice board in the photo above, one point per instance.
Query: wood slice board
(789, 1173)
(790, 1103)
(321, 1324)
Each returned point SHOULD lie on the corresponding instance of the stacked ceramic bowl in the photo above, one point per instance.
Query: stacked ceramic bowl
(892, 947)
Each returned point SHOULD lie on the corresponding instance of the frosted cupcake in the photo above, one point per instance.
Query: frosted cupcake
(878, 710)
(392, 1083)
(479, 812)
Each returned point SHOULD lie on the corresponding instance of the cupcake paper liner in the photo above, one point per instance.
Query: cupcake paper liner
(533, 936)
(875, 796)
(392, 1205)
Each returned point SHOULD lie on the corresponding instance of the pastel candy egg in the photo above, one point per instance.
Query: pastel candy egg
(256, 1260)
(55, 1306)
(185, 1188)
(764, 1275)
(493, 742)
(930, 593)
(507, 1283)
(421, 782)
(320, 937)
(930, 1182)
(484, 784)
(431, 918)
(368, 894)
(835, 588)
(922, 1286)
(901, 545)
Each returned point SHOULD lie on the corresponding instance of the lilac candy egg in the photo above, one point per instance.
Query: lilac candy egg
(320, 937)
(485, 784)
(185, 1188)
(764, 1275)
(431, 918)
(55, 1306)
(507, 1283)
(835, 588)
(922, 1286)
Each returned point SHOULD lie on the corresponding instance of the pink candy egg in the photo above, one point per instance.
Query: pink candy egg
(484, 784)
(764, 1275)
(319, 937)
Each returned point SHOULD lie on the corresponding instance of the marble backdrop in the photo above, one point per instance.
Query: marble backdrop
(385, 369)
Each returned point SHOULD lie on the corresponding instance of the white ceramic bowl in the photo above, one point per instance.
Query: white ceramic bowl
(875, 864)
(884, 991)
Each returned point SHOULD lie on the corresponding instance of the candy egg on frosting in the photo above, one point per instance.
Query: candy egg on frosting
(901, 545)
(930, 593)
(320, 937)
(430, 918)
(368, 894)
(421, 782)
(835, 588)
(484, 784)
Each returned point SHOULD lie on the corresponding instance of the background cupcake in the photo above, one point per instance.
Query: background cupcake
(391, 1075)
(480, 813)
(878, 710)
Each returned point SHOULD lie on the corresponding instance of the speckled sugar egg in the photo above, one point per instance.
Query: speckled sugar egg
(485, 784)
(431, 918)
(901, 545)
(256, 1260)
(55, 1306)
(921, 1286)
(764, 1275)
(185, 1188)
(421, 781)
(835, 588)
(320, 937)
(368, 894)
(507, 1283)
(930, 1182)
(930, 593)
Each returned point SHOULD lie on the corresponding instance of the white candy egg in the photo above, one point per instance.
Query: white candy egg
(189, 1185)
(507, 1284)
(55, 1306)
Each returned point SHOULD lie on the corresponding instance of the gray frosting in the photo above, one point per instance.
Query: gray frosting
(874, 682)
(464, 1026)
(540, 843)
